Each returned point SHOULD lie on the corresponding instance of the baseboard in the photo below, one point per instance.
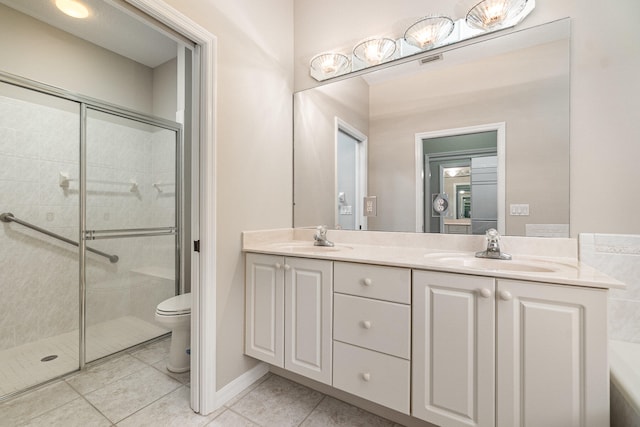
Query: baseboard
(236, 386)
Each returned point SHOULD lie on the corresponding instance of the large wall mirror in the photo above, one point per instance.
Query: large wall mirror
(473, 137)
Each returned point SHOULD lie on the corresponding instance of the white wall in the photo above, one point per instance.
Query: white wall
(40, 52)
(315, 150)
(501, 88)
(605, 90)
(165, 90)
(254, 149)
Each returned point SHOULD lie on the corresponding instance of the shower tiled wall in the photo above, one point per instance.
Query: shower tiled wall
(619, 257)
(39, 275)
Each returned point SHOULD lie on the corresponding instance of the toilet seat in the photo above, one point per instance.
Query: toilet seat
(176, 306)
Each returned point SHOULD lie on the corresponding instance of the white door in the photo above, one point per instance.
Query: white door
(351, 177)
(551, 357)
(453, 378)
(264, 311)
(308, 314)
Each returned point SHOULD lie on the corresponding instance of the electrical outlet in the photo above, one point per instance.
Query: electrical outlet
(370, 206)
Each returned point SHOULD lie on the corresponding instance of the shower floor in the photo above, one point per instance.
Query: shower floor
(21, 367)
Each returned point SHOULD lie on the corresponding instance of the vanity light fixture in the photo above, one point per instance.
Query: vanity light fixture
(375, 51)
(329, 64)
(495, 14)
(73, 8)
(429, 32)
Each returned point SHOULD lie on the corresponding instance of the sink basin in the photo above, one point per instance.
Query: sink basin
(308, 247)
(520, 265)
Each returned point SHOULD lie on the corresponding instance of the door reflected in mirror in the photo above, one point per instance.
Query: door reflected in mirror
(519, 80)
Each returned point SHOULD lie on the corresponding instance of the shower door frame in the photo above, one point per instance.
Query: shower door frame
(84, 234)
(87, 103)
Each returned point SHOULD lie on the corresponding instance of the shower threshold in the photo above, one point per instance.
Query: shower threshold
(23, 366)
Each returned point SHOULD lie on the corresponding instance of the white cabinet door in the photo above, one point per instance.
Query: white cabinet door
(552, 356)
(264, 308)
(453, 377)
(308, 314)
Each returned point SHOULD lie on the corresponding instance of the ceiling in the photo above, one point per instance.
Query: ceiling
(107, 26)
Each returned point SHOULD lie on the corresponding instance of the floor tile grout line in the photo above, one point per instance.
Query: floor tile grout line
(324, 396)
(247, 391)
(245, 417)
(115, 381)
(169, 375)
(127, 376)
(99, 411)
(148, 404)
(104, 385)
(27, 420)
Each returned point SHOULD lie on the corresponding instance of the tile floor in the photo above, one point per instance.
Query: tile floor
(135, 389)
(21, 366)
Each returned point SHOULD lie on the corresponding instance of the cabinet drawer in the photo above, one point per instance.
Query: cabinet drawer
(374, 376)
(373, 281)
(377, 325)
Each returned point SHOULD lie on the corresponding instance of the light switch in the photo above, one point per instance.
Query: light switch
(346, 210)
(519, 209)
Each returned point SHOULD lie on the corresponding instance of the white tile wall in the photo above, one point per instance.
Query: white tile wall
(39, 275)
(619, 257)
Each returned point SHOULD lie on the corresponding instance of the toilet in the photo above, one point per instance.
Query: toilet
(175, 314)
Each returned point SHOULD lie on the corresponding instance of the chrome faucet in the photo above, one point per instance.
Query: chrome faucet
(493, 247)
(321, 236)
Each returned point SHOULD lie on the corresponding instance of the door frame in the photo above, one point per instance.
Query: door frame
(452, 200)
(203, 264)
(362, 148)
(500, 128)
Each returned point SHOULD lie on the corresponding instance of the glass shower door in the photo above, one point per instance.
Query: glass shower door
(39, 141)
(132, 195)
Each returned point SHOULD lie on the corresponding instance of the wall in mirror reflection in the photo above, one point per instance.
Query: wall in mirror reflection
(527, 88)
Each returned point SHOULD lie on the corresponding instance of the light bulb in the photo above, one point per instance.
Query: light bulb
(73, 8)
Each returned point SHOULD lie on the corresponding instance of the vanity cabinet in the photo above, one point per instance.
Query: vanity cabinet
(289, 308)
(453, 349)
(372, 333)
(535, 352)
(552, 366)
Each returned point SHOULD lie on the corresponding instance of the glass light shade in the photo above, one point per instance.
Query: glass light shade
(494, 14)
(330, 64)
(428, 32)
(73, 8)
(375, 51)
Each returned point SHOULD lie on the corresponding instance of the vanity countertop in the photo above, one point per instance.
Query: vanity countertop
(534, 259)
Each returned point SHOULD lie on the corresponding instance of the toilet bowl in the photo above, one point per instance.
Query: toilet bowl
(175, 314)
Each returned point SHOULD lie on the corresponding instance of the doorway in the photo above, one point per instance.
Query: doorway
(448, 155)
(351, 177)
(198, 114)
(92, 243)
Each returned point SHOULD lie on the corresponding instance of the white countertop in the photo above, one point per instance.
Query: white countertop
(438, 253)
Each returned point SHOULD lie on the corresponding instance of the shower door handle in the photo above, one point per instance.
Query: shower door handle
(129, 232)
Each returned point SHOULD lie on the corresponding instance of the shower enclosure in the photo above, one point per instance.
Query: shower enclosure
(89, 238)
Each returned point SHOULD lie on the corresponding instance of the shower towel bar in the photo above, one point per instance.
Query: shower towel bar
(9, 217)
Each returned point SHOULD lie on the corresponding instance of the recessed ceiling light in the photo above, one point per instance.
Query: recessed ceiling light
(73, 8)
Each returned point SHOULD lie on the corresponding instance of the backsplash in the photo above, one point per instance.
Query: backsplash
(619, 257)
